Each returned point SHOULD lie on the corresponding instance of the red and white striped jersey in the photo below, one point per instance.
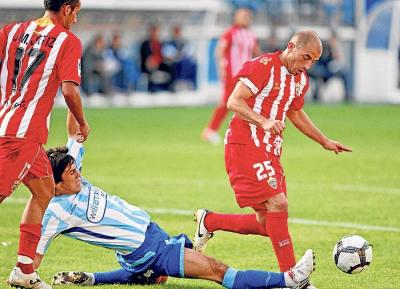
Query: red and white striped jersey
(276, 91)
(241, 43)
(36, 57)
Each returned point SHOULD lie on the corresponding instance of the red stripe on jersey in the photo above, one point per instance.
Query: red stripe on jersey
(279, 93)
(39, 59)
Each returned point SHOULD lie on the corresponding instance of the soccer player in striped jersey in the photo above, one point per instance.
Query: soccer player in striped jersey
(237, 45)
(85, 212)
(268, 88)
(36, 58)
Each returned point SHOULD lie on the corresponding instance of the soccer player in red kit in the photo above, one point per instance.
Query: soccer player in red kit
(36, 58)
(237, 45)
(268, 88)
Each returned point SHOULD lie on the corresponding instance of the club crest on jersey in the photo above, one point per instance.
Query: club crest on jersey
(97, 205)
(277, 86)
(265, 60)
(272, 183)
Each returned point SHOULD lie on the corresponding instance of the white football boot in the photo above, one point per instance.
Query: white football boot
(78, 278)
(20, 280)
(202, 235)
(299, 276)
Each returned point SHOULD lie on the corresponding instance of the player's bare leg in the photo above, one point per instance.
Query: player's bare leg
(200, 266)
(42, 191)
(23, 274)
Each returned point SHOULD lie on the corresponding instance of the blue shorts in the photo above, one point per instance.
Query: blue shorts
(162, 254)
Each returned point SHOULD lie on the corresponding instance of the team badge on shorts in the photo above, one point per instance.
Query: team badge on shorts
(272, 183)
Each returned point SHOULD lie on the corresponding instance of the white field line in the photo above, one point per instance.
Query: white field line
(181, 212)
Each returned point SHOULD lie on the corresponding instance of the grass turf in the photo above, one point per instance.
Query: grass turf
(153, 158)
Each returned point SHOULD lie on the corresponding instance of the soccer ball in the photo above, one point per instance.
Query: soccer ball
(352, 254)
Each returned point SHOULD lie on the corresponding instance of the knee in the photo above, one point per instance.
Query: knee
(218, 268)
(278, 204)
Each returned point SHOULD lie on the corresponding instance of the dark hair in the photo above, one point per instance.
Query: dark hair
(55, 5)
(59, 160)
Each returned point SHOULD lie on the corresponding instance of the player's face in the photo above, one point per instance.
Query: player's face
(302, 58)
(243, 17)
(71, 15)
(71, 181)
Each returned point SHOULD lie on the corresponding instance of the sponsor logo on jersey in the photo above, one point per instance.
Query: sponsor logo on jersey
(265, 60)
(96, 205)
(297, 89)
(272, 183)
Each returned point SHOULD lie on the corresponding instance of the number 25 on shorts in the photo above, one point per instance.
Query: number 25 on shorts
(264, 170)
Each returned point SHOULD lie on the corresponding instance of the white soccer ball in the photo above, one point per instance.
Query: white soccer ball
(352, 254)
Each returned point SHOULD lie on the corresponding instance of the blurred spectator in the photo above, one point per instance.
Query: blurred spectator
(331, 64)
(159, 73)
(332, 9)
(179, 54)
(94, 78)
(126, 75)
(271, 44)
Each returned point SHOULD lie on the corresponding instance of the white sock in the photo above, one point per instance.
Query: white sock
(24, 259)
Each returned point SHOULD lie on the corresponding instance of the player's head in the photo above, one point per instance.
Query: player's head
(66, 175)
(66, 10)
(242, 17)
(303, 49)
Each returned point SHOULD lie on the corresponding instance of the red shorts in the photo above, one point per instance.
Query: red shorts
(255, 174)
(18, 157)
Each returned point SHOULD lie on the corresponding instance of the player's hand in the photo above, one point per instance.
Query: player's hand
(336, 146)
(273, 126)
(83, 132)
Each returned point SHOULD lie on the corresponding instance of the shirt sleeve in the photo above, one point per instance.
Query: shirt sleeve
(69, 68)
(76, 150)
(255, 73)
(298, 101)
(51, 228)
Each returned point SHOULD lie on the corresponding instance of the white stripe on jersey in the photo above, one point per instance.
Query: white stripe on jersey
(48, 69)
(275, 104)
(4, 69)
(291, 97)
(47, 235)
(32, 26)
(249, 84)
(258, 106)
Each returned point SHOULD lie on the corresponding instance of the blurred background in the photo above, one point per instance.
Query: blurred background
(360, 62)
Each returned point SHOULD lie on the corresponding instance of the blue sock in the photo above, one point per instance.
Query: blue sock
(252, 279)
(120, 276)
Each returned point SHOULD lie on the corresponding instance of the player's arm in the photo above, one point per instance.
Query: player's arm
(303, 123)
(237, 103)
(70, 90)
(220, 53)
(72, 125)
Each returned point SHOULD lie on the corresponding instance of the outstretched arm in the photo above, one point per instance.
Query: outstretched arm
(303, 123)
(72, 97)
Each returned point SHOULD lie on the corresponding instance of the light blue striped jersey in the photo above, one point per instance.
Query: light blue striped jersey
(93, 216)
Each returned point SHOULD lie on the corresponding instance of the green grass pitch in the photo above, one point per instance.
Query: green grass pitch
(153, 158)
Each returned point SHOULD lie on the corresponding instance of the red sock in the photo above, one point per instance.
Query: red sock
(28, 241)
(241, 224)
(278, 232)
(218, 116)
